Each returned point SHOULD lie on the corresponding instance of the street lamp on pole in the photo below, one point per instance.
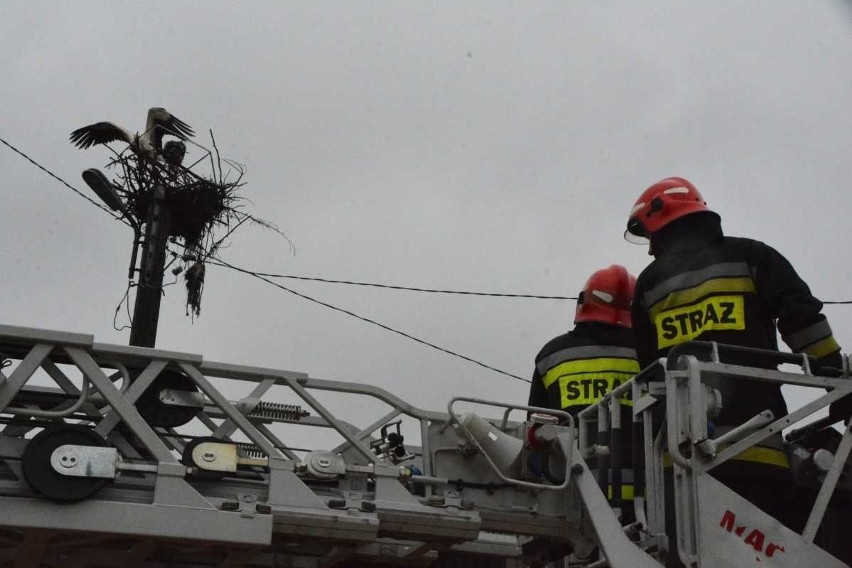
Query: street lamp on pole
(99, 183)
(146, 311)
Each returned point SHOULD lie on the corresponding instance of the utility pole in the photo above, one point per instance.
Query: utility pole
(149, 290)
(171, 201)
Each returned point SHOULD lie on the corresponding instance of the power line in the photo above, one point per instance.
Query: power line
(325, 280)
(265, 277)
(432, 290)
(262, 277)
(407, 288)
(65, 183)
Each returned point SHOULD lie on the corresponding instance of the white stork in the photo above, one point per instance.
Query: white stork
(149, 144)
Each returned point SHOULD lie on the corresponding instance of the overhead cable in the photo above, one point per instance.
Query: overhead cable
(407, 288)
(328, 280)
(62, 181)
(223, 264)
(431, 290)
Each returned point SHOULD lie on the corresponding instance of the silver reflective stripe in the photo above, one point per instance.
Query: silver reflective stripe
(585, 352)
(694, 278)
(810, 334)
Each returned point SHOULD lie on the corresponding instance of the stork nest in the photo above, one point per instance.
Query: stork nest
(197, 204)
(199, 207)
(195, 208)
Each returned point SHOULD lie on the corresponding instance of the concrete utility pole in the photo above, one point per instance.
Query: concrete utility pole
(149, 291)
(143, 167)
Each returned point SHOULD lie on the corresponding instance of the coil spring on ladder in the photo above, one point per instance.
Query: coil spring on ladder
(251, 451)
(278, 411)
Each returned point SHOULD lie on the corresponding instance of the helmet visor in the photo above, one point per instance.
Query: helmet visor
(635, 232)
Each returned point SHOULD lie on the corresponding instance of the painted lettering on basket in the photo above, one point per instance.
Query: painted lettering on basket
(755, 538)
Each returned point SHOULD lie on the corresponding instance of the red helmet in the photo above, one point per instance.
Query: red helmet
(660, 204)
(606, 297)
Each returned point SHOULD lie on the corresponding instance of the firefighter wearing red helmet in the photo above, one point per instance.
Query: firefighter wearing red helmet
(705, 286)
(664, 202)
(577, 368)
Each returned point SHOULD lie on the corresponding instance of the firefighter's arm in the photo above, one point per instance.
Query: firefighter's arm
(644, 336)
(789, 300)
(538, 394)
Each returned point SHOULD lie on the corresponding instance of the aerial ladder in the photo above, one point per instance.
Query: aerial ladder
(116, 456)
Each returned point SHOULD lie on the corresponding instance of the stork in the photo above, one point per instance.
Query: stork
(174, 152)
(149, 144)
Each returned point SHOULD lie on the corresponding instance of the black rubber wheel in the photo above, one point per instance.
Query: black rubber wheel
(197, 472)
(41, 476)
(155, 412)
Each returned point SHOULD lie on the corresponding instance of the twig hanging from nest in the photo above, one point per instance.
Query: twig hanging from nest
(194, 287)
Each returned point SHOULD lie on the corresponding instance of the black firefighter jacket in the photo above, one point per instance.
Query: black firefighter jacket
(706, 286)
(576, 369)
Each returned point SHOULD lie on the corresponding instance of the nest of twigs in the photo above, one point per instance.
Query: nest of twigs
(200, 200)
(195, 208)
(199, 206)
(196, 203)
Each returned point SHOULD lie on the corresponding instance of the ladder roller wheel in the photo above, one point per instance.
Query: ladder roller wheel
(198, 472)
(155, 411)
(46, 481)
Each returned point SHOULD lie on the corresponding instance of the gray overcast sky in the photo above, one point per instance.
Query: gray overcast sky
(484, 146)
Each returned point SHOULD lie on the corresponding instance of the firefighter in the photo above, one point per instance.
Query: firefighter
(705, 286)
(577, 368)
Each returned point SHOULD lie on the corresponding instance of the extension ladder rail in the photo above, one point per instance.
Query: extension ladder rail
(128, 451)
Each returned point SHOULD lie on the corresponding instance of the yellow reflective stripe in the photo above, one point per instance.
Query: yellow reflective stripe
(690, 295)
(589, 388)
(587, 352)
(586, 366)
(759, 454)
(693, 278)
(798, 340)
(822, 347)
(754, 454)
(627, 491)
(688, 322)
